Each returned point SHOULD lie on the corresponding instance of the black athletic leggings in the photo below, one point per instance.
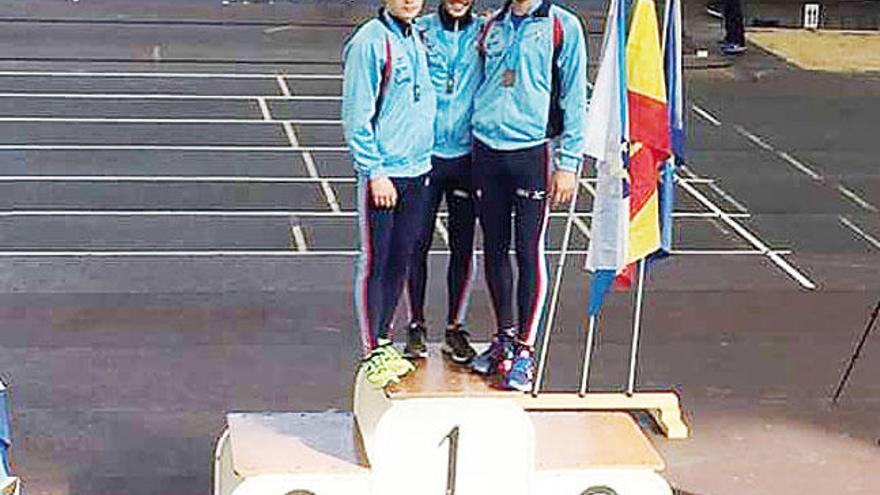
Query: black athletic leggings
(450, 178)
(515, 182)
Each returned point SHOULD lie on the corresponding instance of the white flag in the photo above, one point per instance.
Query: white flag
(605, 143)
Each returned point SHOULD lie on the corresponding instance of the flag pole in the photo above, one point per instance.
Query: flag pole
(588, 356)
(637, 324)
(554, 297)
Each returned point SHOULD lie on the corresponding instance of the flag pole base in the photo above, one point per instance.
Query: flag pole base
(663, 406)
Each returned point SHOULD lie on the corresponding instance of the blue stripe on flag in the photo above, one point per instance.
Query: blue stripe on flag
(672, 64)
(667, 204)
(602, 282)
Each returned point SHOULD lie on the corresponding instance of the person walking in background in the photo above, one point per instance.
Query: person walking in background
(734, 42)
(388, 109)
(450, 38)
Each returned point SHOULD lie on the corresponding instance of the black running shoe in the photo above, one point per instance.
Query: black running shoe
(416, 341)
(457, 346)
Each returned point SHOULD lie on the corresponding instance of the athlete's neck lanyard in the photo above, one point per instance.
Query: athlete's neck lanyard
(452, 64)
(512, 52)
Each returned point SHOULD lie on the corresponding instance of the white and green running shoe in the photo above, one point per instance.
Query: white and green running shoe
(376, 370)
(395, 361)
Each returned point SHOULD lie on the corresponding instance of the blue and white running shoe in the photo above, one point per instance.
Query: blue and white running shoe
(487, 363)
(522, 372)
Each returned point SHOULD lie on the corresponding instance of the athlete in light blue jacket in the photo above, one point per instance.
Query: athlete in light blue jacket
(450, 37)
(534, 91)
(388, 113)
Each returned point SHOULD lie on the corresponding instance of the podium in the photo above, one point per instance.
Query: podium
(444, 431)
(10, 486)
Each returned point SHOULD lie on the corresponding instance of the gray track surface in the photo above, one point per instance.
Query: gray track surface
(122, 367)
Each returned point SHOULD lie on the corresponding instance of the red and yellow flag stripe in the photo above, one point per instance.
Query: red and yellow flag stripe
(648, 128)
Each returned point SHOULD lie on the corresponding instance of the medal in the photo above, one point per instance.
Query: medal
(508, 78)
(417, 93)
(450, 84)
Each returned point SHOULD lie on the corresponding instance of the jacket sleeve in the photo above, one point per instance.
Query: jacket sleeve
(362, 77)
(573, 62)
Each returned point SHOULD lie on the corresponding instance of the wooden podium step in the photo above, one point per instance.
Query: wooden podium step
(294, 443)
(437, 377)
(574, 441)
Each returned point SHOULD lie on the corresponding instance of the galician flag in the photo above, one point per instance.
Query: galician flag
(607, 143)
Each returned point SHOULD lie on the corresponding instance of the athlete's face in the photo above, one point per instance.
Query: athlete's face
(457, 8)
(405, 10)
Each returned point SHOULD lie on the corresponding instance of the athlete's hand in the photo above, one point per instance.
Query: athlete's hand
(383, 192)
(562, 186)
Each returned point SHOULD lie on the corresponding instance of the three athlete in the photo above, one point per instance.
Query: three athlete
(464, 108)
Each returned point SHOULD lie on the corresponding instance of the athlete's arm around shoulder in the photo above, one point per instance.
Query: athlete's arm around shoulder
(363, 59)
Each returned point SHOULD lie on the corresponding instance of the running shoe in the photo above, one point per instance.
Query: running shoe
(376, 370)
(487, 363)
(521, 374)
(456, 345)
(733, 49)
(394, 360)
(416, 341)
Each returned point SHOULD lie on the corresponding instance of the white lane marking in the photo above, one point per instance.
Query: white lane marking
(761, 143)
(282, 84)
(264, 109)
(752, 239)
(590, 189)
(726, 252)
(259, 213)
(299, 238)
(169, 178)
(277, 253)
(754, 138)
(309, 162)
(852, 195)
(717, 189)
(176, 213)
(160, 147)
(849, 193)
(167, 96)
(695, 180)
(858, 230)
(278, 29)
(114, 120)
(167, 75)
(442, 230)
(307, 157)
(706, 115)
(582, 226)
(800, 166)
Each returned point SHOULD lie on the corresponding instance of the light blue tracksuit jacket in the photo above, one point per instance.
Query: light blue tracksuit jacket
(456, 72)
(513, 117)
(390, 133)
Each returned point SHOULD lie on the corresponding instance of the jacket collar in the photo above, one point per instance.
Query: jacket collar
(541, 9)
(394, 24)
(448, 22)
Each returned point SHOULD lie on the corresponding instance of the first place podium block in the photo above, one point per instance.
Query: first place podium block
(441, 431)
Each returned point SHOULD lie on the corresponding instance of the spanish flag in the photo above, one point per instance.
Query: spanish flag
(648, 130)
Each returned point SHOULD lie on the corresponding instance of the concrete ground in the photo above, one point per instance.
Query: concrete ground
(166, 258)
